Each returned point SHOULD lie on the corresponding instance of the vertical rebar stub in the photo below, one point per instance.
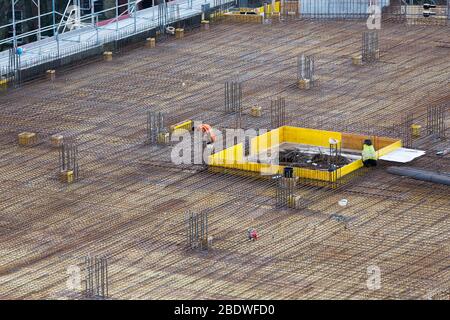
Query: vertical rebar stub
(157, 133)
(233, 96)
(197, 230)
(370, 51)
(68, 162)
(277, 113)
(305, 71)
(96, 278)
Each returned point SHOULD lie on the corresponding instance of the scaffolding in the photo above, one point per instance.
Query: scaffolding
(75, 32)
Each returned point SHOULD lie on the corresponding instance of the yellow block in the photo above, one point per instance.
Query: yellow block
(304, 84)
(294, 202)
(150, 42)
(27, 138)
(179, 33)
(377, 54)
(3, 84)
(163, 138)
(56, 140)
(107, 56)
(255, 111)
(51, 74)
(357, 60)
(66, 176)
(205, 24)
(415, 128)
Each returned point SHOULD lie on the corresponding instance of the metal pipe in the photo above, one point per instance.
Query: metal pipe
(420, 174)
(13, 14)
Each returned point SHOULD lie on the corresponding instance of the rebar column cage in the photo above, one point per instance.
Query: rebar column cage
(277, 113)
(155, 126)
(284, 191)
(436, 116)
(305, 68)
(68, 159)
(238, 119)
(370, 51)
(334, 161)
(233, 96)
(247, 146)
(197, 230)
(96, 278)
(406, 130)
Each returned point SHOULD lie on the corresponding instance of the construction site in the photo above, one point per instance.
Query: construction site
(93, 205)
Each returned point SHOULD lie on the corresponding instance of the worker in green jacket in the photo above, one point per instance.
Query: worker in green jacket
(369, 155)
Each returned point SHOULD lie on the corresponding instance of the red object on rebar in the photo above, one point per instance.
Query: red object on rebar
(254, 235)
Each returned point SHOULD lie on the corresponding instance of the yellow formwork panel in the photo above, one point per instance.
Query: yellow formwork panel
(312, 137)
(276, 8)
(267, 140)
(350, 167)
(311, 174)
(233, 157)
(389, 148)
(238, 17)
(186, 125)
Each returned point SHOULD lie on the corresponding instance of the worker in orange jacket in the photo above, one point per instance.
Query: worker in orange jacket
(207, 131)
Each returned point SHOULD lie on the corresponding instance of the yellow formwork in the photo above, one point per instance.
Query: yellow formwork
(233, 157)
(238, 17)
(276, 8)
(395, 144)
(185, 125)
(312, 137)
